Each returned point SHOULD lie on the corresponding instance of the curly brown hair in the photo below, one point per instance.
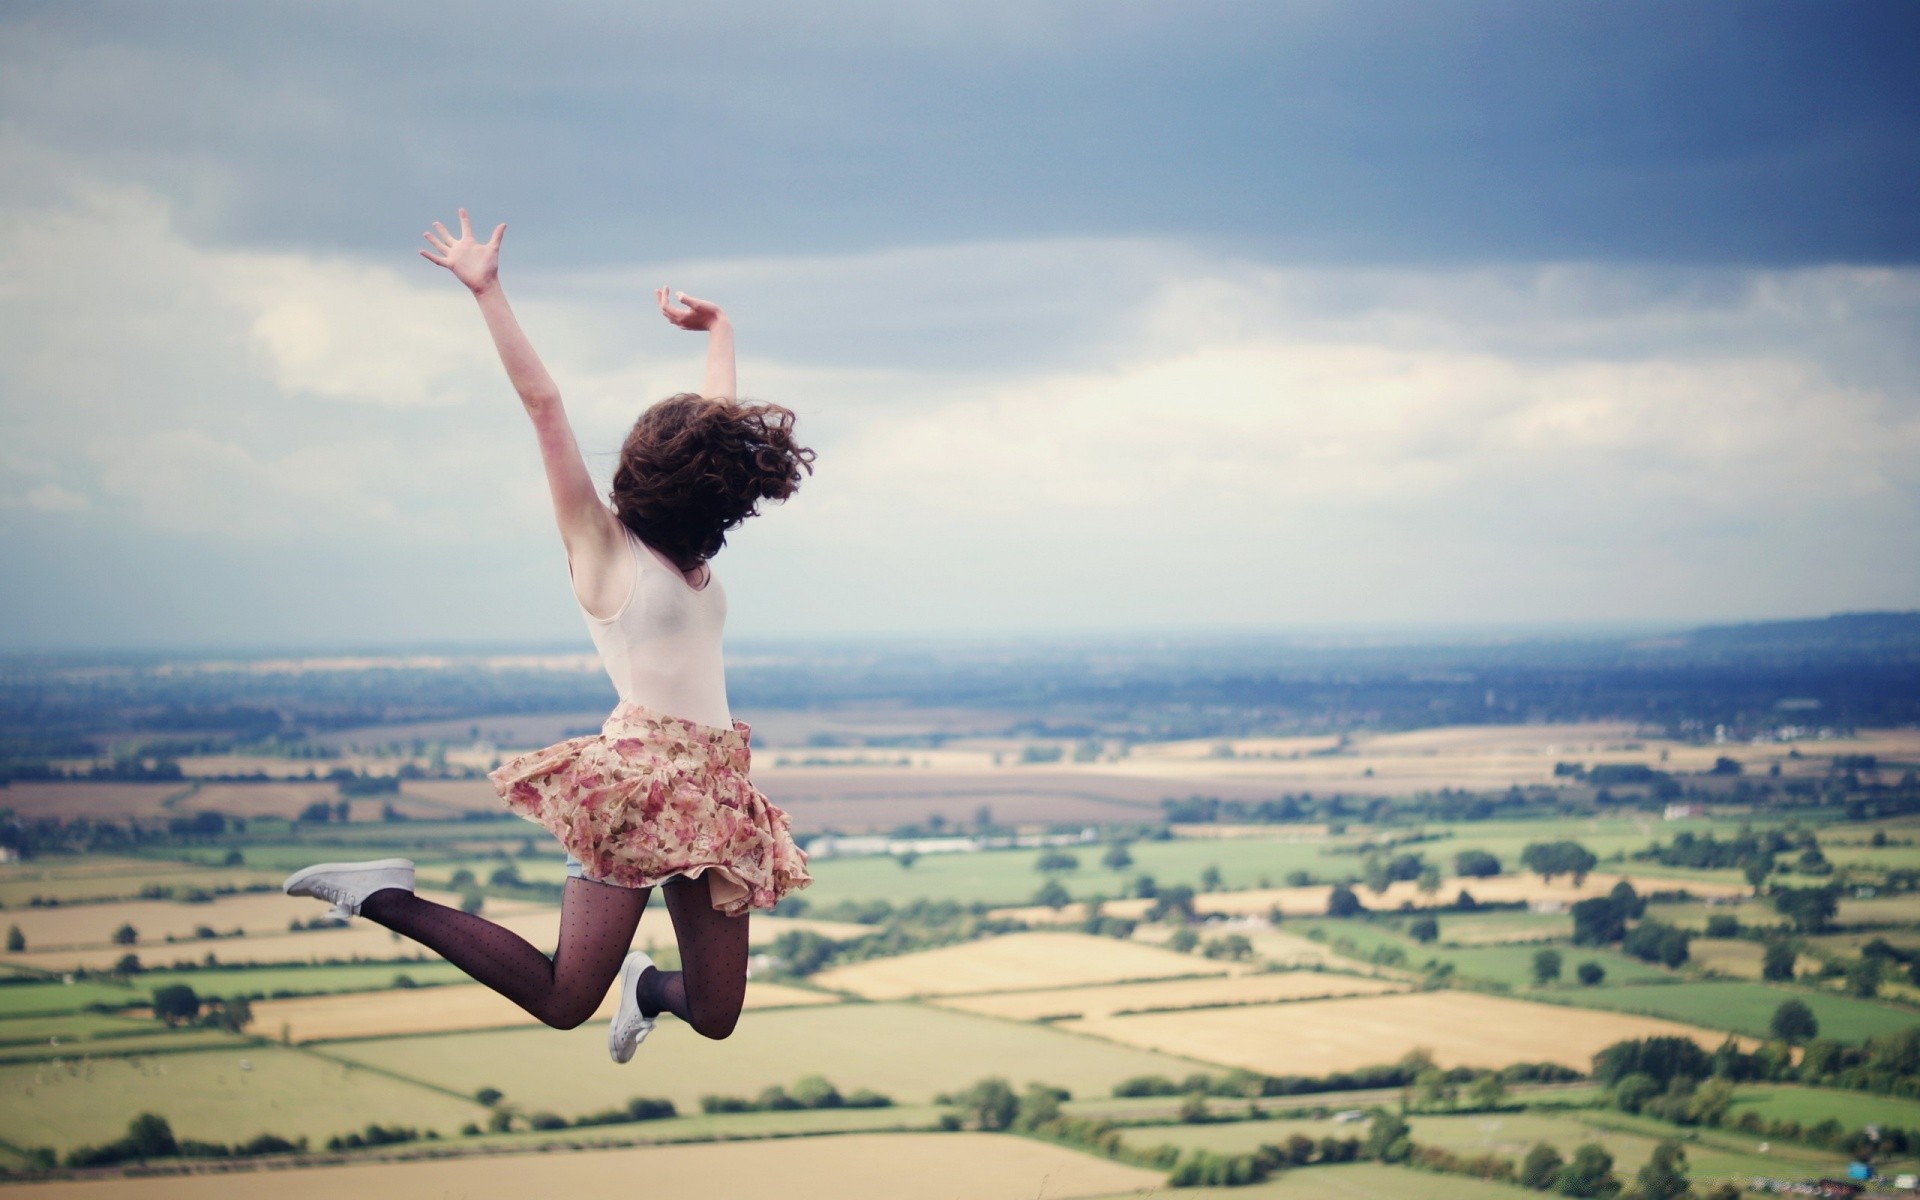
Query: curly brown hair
(694, 467)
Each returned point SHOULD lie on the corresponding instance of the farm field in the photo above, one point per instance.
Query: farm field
(157, 921)
(1810, 1105)
(217, 1095)
(73, 881)
(152, 1038)
(1715, 1154)
(445, 1010)
(1509, 965)
(1747, 1008)
(1311, 901)
(1363, 1181)
(568, 1072)
(1013, 962)
(968, 1166)
(1500, 928)
(1177, 993)
(362, 940)
(1314, 1037)
(1737, 957)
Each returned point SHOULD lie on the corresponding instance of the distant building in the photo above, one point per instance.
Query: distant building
(1681, 810)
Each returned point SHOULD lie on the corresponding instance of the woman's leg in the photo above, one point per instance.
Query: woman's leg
(711, 984)
(597, 921)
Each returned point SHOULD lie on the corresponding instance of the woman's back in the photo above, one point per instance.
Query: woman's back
(662, 647)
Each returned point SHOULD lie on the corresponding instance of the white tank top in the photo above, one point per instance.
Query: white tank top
(662, 648)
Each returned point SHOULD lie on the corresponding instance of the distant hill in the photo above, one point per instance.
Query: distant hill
(1895, 634)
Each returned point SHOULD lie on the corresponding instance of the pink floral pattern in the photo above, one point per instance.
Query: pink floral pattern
(653, 796)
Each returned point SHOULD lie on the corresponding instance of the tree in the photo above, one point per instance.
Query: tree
(1777, 966)
(1863, 978)
(1590, 973)
(1378, 878)
(990, 1104)
(1550, 859)
(149, 1136)
(126, 935)
(814, 1091)
(1487, 1091)
(1589, 1173)
(1539, 1167)
(1664, 1177)
(1174, 903)
(1054, 895)
(1039, 1106)
(1794, 1023)
(16, 941)
(1475, 864)
(176, 1003)
(232, 1015)
(1056, 860)
(1810, 909)
(1341, 902)
(1211, 879)
(1183, 940)
(906, 859)
(129, 964)
(1116, 858)
(1423, 930)
(1546, 967)
(1429, 881)
(1388, 1138)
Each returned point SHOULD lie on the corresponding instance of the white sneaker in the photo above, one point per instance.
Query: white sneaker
(347, 885)
(628, 1028)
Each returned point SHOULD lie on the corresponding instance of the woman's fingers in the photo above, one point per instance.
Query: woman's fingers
(499, 231)
(466, 226)
(436, 243)
(435, 259)
(444, 235)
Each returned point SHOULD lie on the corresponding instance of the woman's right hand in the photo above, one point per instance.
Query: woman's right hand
(476, 264)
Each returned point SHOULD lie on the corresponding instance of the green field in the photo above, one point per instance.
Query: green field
(1509, 965)
(216, 1095)
(902, 1050)
(50, 997)
(1746, 1008)
(154, 1038)
(1809, 1105)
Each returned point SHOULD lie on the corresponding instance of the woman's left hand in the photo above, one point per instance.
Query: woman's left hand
(698, 315)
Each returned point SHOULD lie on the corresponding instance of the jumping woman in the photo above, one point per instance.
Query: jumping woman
(660, 797)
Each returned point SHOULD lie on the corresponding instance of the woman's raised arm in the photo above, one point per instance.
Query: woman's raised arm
(594, 545)
(720, 382)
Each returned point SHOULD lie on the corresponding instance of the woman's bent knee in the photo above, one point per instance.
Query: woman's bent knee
(717, 1028)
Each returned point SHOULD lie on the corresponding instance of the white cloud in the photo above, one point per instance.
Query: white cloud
(1168, 437)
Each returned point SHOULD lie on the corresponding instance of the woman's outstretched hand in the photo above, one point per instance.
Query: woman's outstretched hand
(698, 314)
(476, 264)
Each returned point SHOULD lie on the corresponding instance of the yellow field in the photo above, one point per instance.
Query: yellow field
(951, 1166)
(1317, 1036)
(68, 800)
(1013, 962)
(1739, 958)
(1171, 993)
(444, 1010)
(79, 925)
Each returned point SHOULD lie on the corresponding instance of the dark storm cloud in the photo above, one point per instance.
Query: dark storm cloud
(1729, 133)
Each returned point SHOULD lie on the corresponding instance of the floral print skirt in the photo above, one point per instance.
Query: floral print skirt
(650, 797)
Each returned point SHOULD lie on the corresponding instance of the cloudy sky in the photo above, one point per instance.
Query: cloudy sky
(1102, 316)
